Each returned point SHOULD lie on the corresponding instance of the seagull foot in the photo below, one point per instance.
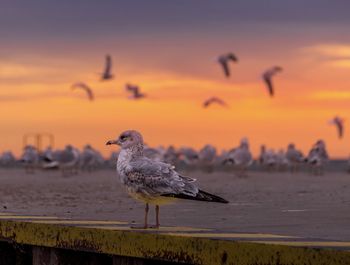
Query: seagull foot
(139, 227)
(154, 226)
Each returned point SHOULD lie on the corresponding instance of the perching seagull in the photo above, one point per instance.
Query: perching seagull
(107, 74)
(212, 100)
(267, 77)
(225, 59)
(86, 88)
(339, 123)
(151, 181)
(135, 91)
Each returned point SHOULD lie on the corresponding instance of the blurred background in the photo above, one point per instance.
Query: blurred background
(170, 49)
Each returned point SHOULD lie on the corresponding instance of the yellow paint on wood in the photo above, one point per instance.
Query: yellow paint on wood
(28, 217)
(161, 229)
(229, 235)
(80, 222)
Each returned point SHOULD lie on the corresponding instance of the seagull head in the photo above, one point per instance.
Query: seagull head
(127, 139)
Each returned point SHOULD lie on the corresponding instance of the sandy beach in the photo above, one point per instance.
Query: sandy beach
(283, 203)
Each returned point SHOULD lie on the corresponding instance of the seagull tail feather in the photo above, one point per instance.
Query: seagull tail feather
(200, 196)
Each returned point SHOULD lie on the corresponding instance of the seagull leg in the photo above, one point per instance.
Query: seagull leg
(156, 226)
(145, 226)
(146, 215)
(157, 216)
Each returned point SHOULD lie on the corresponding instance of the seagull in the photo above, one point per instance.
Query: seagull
(135, 91)
(151, 181)
(107, 75)
(267, 77)
(86, 88)
(294, 157)
(224, 60)
(241, 157)
(339, 123)
(317, 157)
(212, 100)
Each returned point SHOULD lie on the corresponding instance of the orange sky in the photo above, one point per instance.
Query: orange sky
(36, 97)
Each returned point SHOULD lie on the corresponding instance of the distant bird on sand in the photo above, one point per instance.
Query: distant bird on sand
(339, 123)
(150, 181)
(84, 87)
(212, 100)
(224, 62)
(267, 77)
(135, 91)
(107, 73)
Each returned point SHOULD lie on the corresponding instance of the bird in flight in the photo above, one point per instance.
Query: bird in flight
(134, 91)
(267, 77)
(151, 181)
(84, 87)
(224, 62)
(107, 73)
(339, 123)
(213, 100)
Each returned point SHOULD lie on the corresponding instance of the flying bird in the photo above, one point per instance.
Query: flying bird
(107, 73)
(212, 100)
(224, 61)
(339, 123)
(151, 181)
(84, 87)
(267, 77)
(135, 91)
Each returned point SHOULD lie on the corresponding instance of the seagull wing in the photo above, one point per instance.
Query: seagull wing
(207, 102)
(160, 179)
(86, 88)
(157, 178)
(268, 82)
(225, 67)
(220, 101)
(232, 57)
(340, 128)
(108, 66)
(89, 93)
(131, 88)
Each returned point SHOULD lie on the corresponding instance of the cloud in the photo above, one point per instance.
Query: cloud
(335, 55)
(331, 95)
(11, 70)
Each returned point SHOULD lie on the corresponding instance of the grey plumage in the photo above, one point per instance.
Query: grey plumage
(150, 179)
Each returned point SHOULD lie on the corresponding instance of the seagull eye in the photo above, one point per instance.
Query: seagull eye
(123, 137)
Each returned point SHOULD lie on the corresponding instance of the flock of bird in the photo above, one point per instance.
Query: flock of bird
(149, 173)
(224, 60)
(71, 160)
(106, 75)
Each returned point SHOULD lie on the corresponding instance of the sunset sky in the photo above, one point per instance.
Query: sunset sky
(170, 49)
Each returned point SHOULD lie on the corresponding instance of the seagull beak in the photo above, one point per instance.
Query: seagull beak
(110, 142)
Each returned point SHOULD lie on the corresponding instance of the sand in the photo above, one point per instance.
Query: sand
(283, 203)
